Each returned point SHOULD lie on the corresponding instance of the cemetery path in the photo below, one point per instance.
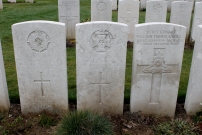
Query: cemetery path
(46, 124)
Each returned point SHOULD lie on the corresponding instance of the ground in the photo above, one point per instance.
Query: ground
(126, 124)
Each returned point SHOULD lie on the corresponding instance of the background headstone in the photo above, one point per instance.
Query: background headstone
(128, 13)
(169, 3)
(143, 4)
(181, 14)
(100, 66)
(156, 11)
(101, 10)
(30, 1)
(197, 19)
(69, 13)
(4, 99)
(194, 91)
(157, 59)
(114, 4)
(40, 56)
(1, 4)
(12, 1)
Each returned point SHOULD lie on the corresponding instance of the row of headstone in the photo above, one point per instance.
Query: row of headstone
(14, 1)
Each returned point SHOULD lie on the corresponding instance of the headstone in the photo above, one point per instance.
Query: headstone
(114, 4)
(169, 3)
(101, 10)
(197, 19)
(143, 4)
(1, 4)
(194, 91)
(30, 1)
(4, 99)
(40, 56)
(12, 1)
(157, 59)
(181, 14)
(156, 11)
(101, 60)
(128, 13)
(69, 13)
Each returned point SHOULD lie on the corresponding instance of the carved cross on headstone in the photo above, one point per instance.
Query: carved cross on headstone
(100, 84)
(157, 68)
(42, 81)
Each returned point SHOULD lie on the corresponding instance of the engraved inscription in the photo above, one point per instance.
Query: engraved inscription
(129, 17)
(157, 68)
(100, 84)
(157, 8)
(182, 8)
(41, 81)
(101, 40)
(38, 41)
(101, 6)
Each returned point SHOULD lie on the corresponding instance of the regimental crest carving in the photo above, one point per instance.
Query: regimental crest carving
(101, 40)
(157, 8)
(129, 17)
(158, 65)
(38, 41)
(101, 6)
(182, 8)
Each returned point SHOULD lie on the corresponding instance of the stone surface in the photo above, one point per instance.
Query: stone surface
(100, 66)
(101, 10)
(157, 60)
(69, 13)
(114, 4)
(12, 1)
(143, 4)
(40, 56)
(156, 11)
(128, 13)
(4, 99)
(169, 3)
(1, 4)
(197, 19)
(30, 1)
(181, 14)
(194, 91)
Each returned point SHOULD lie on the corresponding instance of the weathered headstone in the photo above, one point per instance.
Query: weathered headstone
(69, 13)
(194, 91)
(4, 99)
(100, 65)
(156, 11)
(40, 56)
(30, 1)
(181, 14)
(114, 4)
(1, 4)
(157, 59)
(128, 13)
(12, 1)
(101, 10)
(197, 19)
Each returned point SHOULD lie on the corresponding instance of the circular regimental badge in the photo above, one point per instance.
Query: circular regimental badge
(38, 41)
(157, 8)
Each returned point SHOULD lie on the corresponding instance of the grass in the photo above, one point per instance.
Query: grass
(48, 10)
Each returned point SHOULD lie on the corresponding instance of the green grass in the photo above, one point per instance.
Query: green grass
(48, 10)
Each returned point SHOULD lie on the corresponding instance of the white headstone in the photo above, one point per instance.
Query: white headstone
(197, 19)
(1, 4)
(181, 14)
(12, 1)
(69, 13)
(4, 99)
(194, 91)
(114, 4)
(143, 4)
(156, 11)
(157, 59)
(169, 3)
(40, 56)
(30, 1)
(101, 10)
(128, 13)
(100, 66)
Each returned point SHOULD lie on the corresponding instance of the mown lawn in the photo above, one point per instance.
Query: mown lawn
(48, 10)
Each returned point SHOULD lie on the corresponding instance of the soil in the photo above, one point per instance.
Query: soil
(126, 124)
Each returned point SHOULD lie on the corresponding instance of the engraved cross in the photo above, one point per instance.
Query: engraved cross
(157, 68)
(100, 84)
(42, 81)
